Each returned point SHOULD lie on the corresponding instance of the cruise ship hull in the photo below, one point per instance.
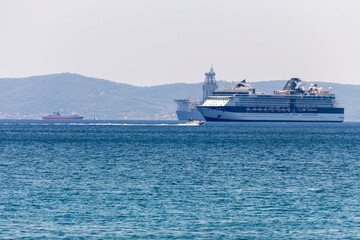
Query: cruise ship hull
(215, 115)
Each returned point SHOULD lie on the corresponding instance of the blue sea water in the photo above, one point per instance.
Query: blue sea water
(162, 180)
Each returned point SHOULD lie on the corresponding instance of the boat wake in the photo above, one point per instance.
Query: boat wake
(41, 123)
(131, 124)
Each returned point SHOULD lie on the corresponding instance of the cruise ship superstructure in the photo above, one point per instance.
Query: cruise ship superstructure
(292, 104)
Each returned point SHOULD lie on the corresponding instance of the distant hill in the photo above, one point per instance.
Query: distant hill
(33, 97)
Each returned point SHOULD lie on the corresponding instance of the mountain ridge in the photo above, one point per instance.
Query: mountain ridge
(35, 96)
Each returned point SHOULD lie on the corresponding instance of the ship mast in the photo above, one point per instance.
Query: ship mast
(210, 83)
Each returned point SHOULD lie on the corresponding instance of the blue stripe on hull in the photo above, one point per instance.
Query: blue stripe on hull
(209, 119)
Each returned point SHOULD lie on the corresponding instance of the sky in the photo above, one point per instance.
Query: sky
(153, 42)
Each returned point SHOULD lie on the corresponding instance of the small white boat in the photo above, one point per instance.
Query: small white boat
(193, 122)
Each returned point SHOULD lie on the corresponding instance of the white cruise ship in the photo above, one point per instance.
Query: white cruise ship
(292, 104)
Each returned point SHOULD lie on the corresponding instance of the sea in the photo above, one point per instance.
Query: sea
(166, 180)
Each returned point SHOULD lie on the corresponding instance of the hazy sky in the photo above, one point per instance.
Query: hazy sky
(151, 42)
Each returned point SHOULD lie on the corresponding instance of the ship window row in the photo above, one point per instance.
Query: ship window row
(283, 105)
(319, 103)
(315, 105)
(230, 93)
(319, 96)
(285, 97)
(268, 104)
(263, 102)
(325, 101)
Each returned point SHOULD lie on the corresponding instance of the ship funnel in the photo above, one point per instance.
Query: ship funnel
(292, 84)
